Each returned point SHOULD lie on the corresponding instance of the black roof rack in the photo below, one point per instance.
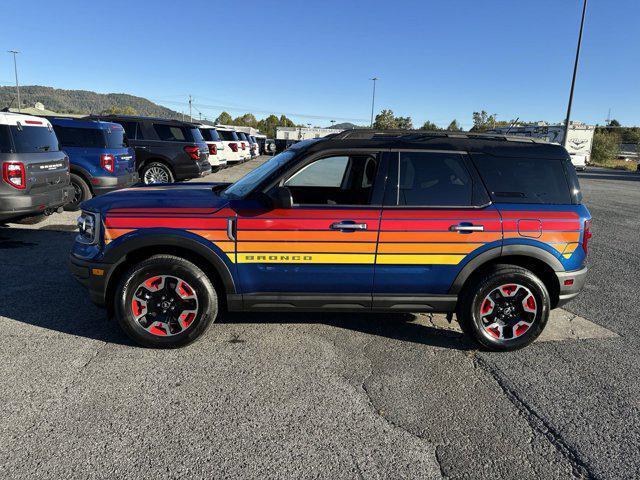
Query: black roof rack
(419, 135)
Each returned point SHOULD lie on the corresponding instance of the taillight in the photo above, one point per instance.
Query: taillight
(13, 174)
(193, 151)
(108, 162)
(586, 236)
(243, 147)
(234, 147)
(213, 150)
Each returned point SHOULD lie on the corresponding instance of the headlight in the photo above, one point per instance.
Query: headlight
(88, 227)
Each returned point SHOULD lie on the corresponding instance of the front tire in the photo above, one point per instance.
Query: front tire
(165, 302)
(505, 308)
(81, 192)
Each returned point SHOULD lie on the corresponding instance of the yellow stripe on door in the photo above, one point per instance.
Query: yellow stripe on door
(297, 257)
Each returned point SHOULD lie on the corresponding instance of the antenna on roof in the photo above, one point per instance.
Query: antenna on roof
(512, 125)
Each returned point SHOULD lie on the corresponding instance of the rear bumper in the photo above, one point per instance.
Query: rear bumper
(108, 184)
(87, 273)
(22, 205)
(571, 284)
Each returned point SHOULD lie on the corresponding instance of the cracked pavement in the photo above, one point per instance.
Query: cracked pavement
(320, 395)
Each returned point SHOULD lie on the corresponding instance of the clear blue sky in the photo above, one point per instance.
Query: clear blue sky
(436, 60)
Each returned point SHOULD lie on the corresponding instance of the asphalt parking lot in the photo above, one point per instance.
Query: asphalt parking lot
(321, 395)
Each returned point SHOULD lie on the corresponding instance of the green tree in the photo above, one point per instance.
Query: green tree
(246, 120)
(606, 146)
(224, 119)
(428, 125)
(454, 126)
(114, 110)
(386, 120)
(482, 121)
(404, 123)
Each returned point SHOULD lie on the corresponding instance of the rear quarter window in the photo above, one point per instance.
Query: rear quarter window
(80, 137)
(210, 135)
(27, 139)
(115, 137)
(524, 180)
(228, 136)
(5, 139)
(172, 133)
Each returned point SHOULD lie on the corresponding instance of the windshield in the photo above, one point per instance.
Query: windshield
(253, 178)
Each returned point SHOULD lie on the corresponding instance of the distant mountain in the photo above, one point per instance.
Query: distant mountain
(82, 101)
(345, 126)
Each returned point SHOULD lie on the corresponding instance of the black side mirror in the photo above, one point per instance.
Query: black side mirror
(283, 198)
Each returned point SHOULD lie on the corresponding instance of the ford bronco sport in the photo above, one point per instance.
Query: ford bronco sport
(488, 227)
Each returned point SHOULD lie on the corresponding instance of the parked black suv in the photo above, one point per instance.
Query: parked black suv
(166, 150)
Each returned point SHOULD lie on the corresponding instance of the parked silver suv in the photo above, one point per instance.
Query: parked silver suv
(35, 173)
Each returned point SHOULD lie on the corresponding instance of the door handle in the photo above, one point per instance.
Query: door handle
(348, 225)
(466, 228)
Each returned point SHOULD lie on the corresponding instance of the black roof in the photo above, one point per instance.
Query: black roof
(494, 144)
(115, 118)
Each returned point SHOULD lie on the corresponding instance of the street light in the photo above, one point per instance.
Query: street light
(573, 80)
(373, 98)
(15, 68)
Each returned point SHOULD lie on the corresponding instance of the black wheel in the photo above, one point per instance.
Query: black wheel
(505, 308)
(165, 302)
(156, 172)
(81, 192)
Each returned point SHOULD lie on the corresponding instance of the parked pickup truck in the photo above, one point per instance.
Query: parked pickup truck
(35, 172)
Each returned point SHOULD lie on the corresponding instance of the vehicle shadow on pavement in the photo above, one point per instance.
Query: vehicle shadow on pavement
(38, 291)
(393, 325)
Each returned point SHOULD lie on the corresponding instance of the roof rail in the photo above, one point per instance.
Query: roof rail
(417, 135)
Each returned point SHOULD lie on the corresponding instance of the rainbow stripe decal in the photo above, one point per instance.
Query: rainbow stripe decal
(395, 237)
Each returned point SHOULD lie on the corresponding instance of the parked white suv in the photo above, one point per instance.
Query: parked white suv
(245, 145)
(217, 150)
(231, 142)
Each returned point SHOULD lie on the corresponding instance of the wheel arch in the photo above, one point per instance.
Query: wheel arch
(137, 249)
(83, 174)
(542, 263)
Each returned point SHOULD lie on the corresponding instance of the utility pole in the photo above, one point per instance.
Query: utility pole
(190, 114)
(573, 79)
(373, 98)
(15, 68)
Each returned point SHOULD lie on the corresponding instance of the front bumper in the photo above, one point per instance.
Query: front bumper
(571, 284)
(94, 276)
(108, 184)
(26, 204)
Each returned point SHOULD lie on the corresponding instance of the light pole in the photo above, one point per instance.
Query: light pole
(15, 68)
(573, 80)
(333, 122)
(373, 98)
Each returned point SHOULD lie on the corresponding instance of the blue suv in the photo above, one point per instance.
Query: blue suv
(489, 227)
(100, 159)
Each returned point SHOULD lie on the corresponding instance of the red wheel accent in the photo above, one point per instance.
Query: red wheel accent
(520, 329)
(157, 331)
(509, 290)
(153, 283)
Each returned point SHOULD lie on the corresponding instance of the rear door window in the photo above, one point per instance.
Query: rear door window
(29, 139)
(172, 133)
(433, 179)
(80, 137)
(524, 180)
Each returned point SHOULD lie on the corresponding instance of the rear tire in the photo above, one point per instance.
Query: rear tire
(156, 172)
(505, 308)
(165, 302)
(81, 192)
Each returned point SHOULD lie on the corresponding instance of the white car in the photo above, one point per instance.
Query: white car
(255, 147)
(232, 147)
(217, 150)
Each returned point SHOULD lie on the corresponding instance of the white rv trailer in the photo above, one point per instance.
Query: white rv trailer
(578, 146)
